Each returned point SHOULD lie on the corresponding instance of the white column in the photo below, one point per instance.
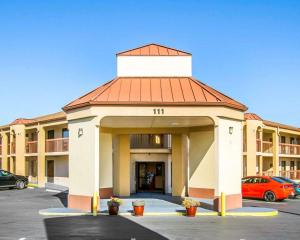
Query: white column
(84, 156)
(228, 159)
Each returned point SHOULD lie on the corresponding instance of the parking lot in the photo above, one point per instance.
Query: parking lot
(19, 219)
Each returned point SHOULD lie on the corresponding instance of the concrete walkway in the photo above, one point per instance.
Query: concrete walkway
(161, 207)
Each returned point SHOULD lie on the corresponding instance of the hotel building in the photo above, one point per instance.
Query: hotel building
(153, 128)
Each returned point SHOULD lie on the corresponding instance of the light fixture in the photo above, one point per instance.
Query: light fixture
(80, 132)
(157, 139)
(230, 130)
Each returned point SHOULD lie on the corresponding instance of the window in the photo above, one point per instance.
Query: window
(292, 167)
(4, 173)
(65, 133)
(263, 180)
(283, 165)
(278, 180)
(50, 134)
(292, 140)
(282, 139)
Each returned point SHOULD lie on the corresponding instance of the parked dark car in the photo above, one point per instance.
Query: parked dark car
(295, 184)
(10, 180)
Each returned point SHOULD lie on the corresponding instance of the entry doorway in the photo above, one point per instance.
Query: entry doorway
(150, 177)
(50, 171)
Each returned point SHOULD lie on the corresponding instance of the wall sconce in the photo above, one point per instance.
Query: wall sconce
(230, 130)
(80, 132)
(157, 139)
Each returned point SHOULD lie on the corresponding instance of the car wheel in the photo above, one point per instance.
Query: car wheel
(20, 185)
(270, 196)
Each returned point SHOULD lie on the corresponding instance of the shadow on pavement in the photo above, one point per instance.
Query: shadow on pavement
(63, 197)
(100, 227)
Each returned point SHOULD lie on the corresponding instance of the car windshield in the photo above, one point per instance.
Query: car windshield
(4, 173)
(278, 180)
(286, 180)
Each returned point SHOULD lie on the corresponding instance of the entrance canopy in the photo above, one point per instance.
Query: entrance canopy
(155, 122)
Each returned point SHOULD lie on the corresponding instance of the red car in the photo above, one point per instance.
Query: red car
(268, 188)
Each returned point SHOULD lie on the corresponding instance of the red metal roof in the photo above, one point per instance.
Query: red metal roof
(155, 91)
(252, 116)
(154, 50)
(22, 121)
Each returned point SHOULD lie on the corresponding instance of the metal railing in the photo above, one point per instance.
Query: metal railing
(31, 146)
(292, 174)
(57, 145)
(290, 149)
(267, 173)
(267, 147)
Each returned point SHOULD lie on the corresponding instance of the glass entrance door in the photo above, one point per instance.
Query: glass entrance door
(150, 177)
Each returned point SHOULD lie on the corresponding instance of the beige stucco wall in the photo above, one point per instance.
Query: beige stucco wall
(84, 157)
(179, 164)
(121, 186)
(201, 159)
(19, 131)
(106, 160)
(252, 127)
(228, 157)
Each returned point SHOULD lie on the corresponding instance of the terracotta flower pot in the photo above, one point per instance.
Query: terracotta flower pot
(113, 210)
(138, 210)
(191, 211)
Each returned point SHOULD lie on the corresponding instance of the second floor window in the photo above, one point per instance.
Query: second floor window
(50, 134)
(65, 133)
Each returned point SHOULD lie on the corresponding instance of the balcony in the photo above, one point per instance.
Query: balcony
(57, 145)
(267, 147)
(292, 174)
(267, 173)
(31, 147)
(289, 149)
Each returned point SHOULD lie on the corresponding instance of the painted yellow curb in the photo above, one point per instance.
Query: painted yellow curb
(253, 214)
(32, 185)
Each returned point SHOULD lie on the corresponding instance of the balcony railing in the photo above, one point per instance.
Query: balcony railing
(258, 145)
(267, 147)
(267, 173)
(290, 149)
(292, 174)
(57, 145)
(31, 147)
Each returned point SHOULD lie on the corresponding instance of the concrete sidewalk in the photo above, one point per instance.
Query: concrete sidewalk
(159, 207)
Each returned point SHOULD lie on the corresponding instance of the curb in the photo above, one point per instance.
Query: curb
(253, 214)
(233, 214)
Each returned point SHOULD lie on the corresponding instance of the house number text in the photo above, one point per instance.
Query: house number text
(158, 111)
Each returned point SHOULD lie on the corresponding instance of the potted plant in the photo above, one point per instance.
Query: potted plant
(138, 207)
(113, 205)
(190, 206)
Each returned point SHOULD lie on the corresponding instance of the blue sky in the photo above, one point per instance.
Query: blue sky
(52, 52)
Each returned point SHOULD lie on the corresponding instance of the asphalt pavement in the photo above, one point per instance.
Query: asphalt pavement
(19, 219)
